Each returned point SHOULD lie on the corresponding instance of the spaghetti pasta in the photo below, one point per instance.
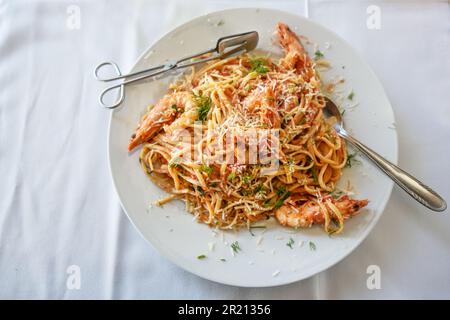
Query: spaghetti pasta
(244, 139)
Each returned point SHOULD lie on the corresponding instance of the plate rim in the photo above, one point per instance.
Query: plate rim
(363, 235)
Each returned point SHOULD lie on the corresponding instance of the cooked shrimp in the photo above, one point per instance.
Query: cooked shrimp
(262, 101)
(312, 212)
(296, 56)
(163, 113)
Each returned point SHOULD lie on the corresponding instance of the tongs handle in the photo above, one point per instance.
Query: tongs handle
(120, 76)
(237, 43)
(144, 74)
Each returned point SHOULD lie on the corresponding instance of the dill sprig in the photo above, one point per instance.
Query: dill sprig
(351, 160)
(314, 174)
(350, 96)
(203, 106)
(290, 243)
(280, 201)
(207, 169)
(318, 55)
(259, 65)
(235, 247)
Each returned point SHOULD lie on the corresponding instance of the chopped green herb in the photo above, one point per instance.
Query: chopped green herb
(235, 247)
(258, 65)
(312, 246)
(350, 96)
(223, 259)
(267, 204)
(203, 106)
(314, 174)
(351, 160)
(174, 162)
(201, 257)
(174, 107)
(207, 169)
(231, 176)
(280, 201)
(259, 189)
(281, 191)
(290, 243)
(318, 55)
(342, 113)
(214, 184)
(246, 179)
(200, 190)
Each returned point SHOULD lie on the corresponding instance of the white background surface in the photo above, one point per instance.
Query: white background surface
(57, 203)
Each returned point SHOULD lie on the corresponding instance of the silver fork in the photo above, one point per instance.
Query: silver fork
(226, 46)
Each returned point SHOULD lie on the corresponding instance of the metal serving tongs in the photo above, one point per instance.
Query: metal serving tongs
(226, 46)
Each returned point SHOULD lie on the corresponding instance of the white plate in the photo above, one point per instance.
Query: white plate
(171, 229)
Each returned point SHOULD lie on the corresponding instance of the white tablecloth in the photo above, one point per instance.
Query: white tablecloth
(58, 207)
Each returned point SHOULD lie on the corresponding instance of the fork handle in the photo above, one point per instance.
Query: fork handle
(416, 189)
